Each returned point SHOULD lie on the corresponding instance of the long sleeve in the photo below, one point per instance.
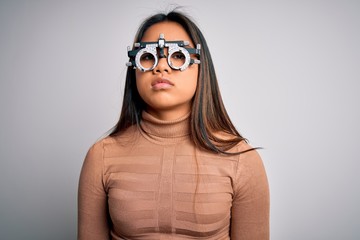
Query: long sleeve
(250, 210)
(92, 199)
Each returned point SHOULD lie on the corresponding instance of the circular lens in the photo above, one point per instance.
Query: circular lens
(147, 60)
(177, 59)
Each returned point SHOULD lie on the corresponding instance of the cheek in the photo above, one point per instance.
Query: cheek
(139, 83)
(192, 84)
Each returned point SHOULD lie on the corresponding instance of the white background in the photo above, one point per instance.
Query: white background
(288, 72)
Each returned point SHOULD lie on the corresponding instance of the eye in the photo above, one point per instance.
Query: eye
(178, 55)
(147, 61)
(177, 59)
(147, 57)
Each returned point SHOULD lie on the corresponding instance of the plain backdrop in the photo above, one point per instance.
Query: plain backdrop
(289, 72)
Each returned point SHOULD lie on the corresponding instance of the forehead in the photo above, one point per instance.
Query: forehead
(172, 31)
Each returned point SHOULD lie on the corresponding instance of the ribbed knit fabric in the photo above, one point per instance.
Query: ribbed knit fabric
(152, 183)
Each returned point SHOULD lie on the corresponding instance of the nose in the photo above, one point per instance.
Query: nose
(162, 66)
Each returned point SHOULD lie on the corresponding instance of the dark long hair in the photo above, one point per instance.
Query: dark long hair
(211, 128)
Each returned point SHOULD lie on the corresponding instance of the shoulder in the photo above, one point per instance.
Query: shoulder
(107, 145)
(249, 158)
(128, 134)
(123, 137)
(96, 151)
(245, 152)
(250, 168)
(98, 147)
(94, 156)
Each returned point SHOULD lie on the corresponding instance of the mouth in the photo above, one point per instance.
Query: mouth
(161, 83)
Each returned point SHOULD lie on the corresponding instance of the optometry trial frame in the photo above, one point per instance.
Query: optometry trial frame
(145, 55)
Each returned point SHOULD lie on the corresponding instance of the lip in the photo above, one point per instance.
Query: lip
(161, 83)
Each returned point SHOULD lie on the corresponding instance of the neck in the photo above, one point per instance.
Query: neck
(165, 132)
(168, 115)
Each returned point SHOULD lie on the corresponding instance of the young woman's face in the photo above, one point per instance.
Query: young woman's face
(167, 92)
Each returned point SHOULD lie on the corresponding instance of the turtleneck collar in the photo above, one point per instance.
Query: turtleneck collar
(165, 132)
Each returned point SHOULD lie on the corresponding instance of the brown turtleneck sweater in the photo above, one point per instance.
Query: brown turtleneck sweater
(152, 183)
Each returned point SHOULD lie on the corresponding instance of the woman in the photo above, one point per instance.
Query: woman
(174, 167)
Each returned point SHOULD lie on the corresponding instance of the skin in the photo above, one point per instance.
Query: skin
(167, 92)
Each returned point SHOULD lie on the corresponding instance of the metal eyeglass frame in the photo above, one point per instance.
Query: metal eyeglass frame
(141, 48)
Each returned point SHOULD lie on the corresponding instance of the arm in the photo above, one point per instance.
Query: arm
(250, 210)
(92, 199)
